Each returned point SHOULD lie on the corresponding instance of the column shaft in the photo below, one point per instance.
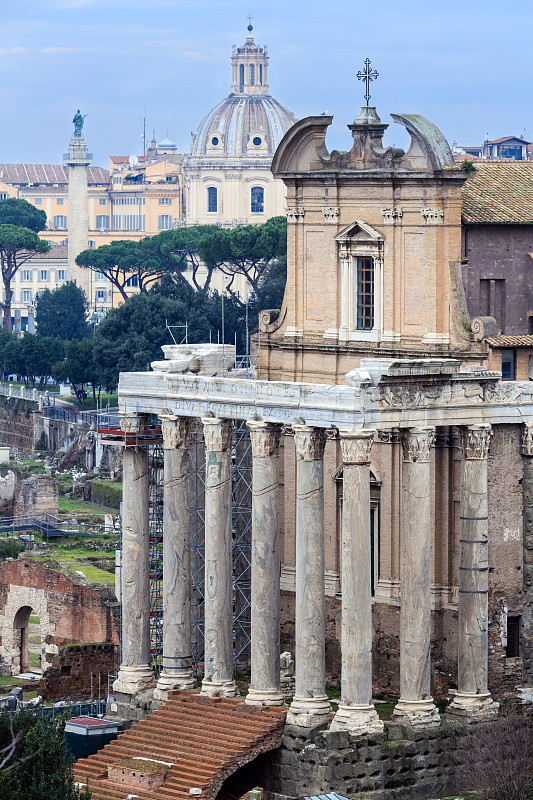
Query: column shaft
(415, 706)
(265, 686)
(177, 667)
(473, 699)
(310, 706)
(135, 671)
(218, 585)
(356, 711)
(526, 632)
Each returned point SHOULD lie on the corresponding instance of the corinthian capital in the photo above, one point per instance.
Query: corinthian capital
(265, 438)
(217, 434)
(309, 442)
(176, 432)
(476, 441)
(417, 443)
(356, 446)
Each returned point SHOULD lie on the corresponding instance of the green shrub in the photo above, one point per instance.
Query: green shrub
(106, 493)
(10, 548)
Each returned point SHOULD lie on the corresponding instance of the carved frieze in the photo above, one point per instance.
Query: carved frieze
(527, 439)
(432, 214)
(356, 446)
(476, 441)
(391, 436)
(309, 442)
(176, 432)
(331, 213)
(294, 213)
(265, 439)
(217, 434)
(392, 214)
(417, 443)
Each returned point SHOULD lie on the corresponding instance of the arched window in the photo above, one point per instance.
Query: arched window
(261, 74)
(257, 196)
(252, 74)
(241, 78)
(212, 199)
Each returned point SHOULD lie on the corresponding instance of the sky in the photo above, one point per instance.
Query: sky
(463, 64)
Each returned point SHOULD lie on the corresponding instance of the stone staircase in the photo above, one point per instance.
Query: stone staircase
(203, 739)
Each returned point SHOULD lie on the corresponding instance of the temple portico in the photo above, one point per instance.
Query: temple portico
(414, 398)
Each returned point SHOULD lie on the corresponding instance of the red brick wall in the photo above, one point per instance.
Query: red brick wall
(69, 677)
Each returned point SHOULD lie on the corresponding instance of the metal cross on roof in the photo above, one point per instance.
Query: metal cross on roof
(250, 18)
(367, 75)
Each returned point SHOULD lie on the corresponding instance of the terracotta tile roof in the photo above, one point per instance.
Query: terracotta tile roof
(507, 139)
(510, 341)
(124, 159)
(204, 739)
(499, 191)
(46, 174)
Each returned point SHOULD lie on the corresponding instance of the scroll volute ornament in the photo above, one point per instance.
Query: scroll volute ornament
(176, 432)
(417, 444)
(476, 441)
(309, 442)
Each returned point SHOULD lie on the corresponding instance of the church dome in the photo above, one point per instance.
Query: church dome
(249, 122)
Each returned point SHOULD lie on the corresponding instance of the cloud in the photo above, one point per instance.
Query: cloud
(10, 50)
(58, 50)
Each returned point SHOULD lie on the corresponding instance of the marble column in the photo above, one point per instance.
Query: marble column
(265, 686)
(526, 628)
(310, 706)
(472, 699)
(356, 712)
(415, 706)
(135, 673)
(177, 666)
(218, 592)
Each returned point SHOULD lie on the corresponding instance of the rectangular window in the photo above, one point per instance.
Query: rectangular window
(99, 276)
(102, 222)
(25, 296)
(508, 364)
(61, 274)
(164, 222)
(165, 201)
(60, 201)
(102, 201)
(101, 295)
(365, 294)
(44, 275)
(91, 243)
(60, 222)
(212, 199)
(37, 201)
(117, 179)
(26, 275)
(133, 281)
(258, 200)
(512, 649)
(3, 195)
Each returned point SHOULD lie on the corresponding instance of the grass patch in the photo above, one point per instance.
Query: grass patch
(73, 505)
(35, 659)
(35, 619)
(386, 706)
(78, 559)
(12, 681)
(90, 405)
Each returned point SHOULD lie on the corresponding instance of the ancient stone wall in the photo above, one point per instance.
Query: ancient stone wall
(36, 496)
(78, 671)
(16, 423)
(68, 612)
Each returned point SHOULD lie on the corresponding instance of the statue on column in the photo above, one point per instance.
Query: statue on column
(78, 121)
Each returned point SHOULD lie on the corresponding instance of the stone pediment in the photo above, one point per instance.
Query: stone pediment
(358, 231)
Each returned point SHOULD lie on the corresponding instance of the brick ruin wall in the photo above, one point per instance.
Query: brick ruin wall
(68, 613)
(80, 671)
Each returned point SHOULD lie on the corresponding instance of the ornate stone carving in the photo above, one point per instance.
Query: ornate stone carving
(401, 395)
(527, 439)
(294, 213)
(176, 432)
(356, 446)
(331, 213)
(476, 441)
(432, 214)
(417, 443)
(265, 438)
(217, 434)
(309, 442)
(389, 437)
(392, 214)
(332, 434)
